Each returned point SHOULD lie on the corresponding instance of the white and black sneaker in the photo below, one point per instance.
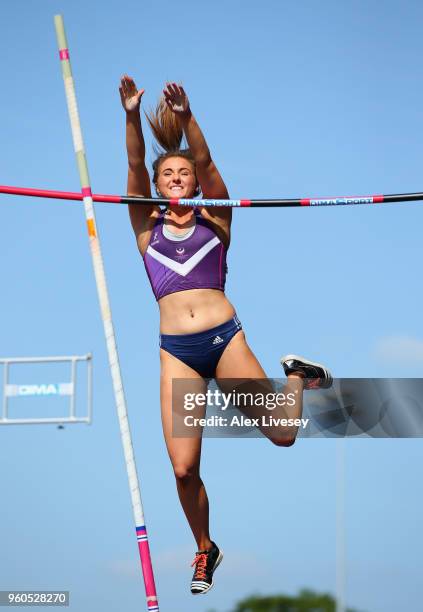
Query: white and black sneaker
(316, 376)
(206, 561)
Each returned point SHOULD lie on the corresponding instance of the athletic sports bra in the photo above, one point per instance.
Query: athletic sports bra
(195, 262)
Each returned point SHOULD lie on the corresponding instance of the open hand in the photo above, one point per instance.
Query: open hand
(176, 98)
(129, 94)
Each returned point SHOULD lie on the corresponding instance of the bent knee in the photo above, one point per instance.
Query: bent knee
(284, 441)
(184, 472)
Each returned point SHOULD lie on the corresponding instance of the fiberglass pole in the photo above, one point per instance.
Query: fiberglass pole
(144, 550)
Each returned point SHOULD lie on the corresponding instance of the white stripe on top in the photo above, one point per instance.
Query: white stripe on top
(184, 268)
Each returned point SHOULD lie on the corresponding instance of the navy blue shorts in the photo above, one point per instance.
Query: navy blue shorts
(201, 351)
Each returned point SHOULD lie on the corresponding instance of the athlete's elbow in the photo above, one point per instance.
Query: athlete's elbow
(203, 160)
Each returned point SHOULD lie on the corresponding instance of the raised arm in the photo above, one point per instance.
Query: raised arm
(208, 176)
(138, 177)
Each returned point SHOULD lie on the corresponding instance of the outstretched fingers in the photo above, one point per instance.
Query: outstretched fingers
(171, 89)
(176, 98)
(129, 95)
(128, 85)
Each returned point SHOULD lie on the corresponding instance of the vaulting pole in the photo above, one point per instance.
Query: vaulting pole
(86, 195)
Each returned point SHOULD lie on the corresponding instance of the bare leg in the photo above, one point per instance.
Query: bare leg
(238, 361)
(185, 453)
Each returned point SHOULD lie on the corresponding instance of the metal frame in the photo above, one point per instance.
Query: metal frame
(72, 418)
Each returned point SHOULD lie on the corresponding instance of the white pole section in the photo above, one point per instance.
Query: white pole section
(100, 277)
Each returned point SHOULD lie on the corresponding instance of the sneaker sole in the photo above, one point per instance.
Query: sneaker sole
(328, 376)
(218, 560)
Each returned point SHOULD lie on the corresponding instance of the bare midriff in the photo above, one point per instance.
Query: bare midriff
(193, 311)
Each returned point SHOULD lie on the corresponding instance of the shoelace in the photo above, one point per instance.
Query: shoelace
(313, 383)
(200, 562)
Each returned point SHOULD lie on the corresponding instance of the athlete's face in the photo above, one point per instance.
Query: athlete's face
(176, 178)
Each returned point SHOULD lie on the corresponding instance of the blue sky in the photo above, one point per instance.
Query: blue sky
(296, 99)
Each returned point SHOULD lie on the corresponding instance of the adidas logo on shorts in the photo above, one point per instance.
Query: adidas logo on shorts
(218, 340)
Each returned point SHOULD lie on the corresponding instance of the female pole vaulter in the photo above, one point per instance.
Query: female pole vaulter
(184, 253)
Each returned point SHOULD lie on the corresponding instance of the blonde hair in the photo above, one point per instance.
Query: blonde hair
(168, 134)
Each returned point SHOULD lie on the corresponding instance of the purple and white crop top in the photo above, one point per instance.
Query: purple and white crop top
(195, 262)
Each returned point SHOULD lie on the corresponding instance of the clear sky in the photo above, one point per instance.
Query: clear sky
(296, 99)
